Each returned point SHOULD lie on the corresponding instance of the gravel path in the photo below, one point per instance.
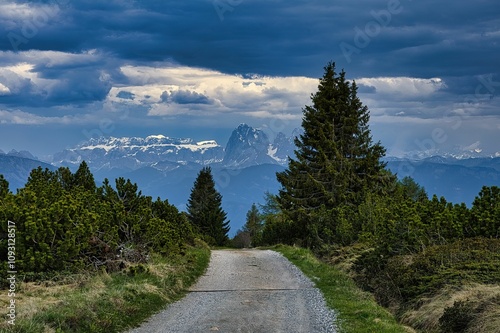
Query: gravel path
(247, 291)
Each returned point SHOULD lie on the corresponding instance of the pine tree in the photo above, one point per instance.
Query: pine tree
(205, 211)
(335, 162)
(485, 213)
(4, 187)
(254, 225)
(84, 178)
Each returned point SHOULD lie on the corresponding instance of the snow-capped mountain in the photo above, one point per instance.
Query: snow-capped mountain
(457, 152)
(284, 146)
(246, 147)
(133, 153)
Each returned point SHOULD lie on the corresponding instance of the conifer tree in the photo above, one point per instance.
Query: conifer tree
(485, 213)
(84, 178)
(205, 211)
(4, 187)
(335, 162)
(253, 225)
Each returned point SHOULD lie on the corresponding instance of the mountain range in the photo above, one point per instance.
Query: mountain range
(246, 147)
(244, 169)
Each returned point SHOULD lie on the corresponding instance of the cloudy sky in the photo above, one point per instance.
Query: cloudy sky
(75, 69)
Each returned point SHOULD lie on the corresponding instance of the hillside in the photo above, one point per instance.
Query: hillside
(16, 169)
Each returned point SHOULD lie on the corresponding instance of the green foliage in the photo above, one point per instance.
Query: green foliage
(336, 192)
(107, 303)
(412, 190)
(253, 226)
(485, 213)
(205, 211)
(336, 162)
(251, 233)
(456, 319)
(84, 178)
(241, 239)
(53, 223)
(4, 187)
(65, 223)
(277, 229)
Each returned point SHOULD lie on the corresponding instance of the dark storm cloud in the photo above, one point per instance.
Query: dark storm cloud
(59, 78)
(255, 37)
(292, 37)
(125, 95)
(184, 97)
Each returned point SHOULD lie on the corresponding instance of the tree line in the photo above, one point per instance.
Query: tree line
(337, 189)
(65, 222)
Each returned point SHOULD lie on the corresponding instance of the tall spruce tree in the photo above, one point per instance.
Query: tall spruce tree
(254, 225)
(205, 211)
(335, 160)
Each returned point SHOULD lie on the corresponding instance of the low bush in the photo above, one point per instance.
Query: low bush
(456, 319)
(403, 279)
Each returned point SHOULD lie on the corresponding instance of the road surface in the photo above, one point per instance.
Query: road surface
(247, 291)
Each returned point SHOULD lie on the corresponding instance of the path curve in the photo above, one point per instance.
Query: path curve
(257, 291)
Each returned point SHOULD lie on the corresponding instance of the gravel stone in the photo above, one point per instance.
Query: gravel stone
(247, 291)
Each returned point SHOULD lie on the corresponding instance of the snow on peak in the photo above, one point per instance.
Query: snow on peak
(158, 137)
(209, 143)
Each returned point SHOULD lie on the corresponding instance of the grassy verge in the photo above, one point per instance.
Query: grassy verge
(105, 302)
(357, 310)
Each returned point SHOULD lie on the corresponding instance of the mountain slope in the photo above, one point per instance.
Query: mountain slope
(17, 169)
(457, 180)
(243, 171)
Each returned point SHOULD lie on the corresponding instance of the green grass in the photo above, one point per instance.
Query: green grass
(108, 302)
(357, 310)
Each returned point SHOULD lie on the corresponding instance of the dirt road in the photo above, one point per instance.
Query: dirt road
(247, 291)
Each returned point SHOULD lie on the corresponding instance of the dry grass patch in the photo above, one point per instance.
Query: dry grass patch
(488, 321)
(483, 298)
(32, 298)
(102, 302)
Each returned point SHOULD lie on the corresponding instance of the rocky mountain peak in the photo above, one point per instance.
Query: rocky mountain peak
(247, 146)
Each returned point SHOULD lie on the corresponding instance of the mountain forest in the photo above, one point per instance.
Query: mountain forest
(337, 198)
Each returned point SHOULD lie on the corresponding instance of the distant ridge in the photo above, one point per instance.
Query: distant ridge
(16, 169)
